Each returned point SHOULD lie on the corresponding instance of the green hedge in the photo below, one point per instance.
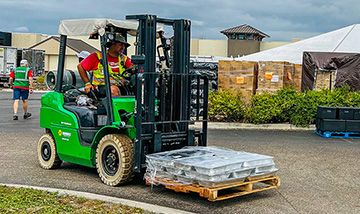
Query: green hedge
(284, 106)
(226, 106)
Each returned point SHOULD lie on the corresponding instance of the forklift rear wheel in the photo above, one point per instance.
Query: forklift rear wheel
(47, 155)
(115, 159)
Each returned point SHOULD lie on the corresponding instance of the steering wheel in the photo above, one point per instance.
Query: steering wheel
(127, 84)
(127, 73)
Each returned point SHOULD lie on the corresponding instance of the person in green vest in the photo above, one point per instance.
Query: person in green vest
(21, 81)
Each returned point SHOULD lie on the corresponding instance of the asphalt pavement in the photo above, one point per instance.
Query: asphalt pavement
(318, 175)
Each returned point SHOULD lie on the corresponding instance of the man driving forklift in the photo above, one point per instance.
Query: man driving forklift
(118, 63)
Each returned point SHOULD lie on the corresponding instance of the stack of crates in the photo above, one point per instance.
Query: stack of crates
(338, 119)
(240, 76)
(296, 77)
(274, 76)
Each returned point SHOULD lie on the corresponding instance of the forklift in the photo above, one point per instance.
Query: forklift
(154, 116)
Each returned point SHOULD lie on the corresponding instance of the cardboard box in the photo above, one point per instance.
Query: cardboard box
(275, 75)
(240, 76)
(297, 76)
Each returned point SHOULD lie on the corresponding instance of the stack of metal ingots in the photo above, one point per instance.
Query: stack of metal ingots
(207, 166)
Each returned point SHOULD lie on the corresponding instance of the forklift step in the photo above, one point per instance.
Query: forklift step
(222, 191)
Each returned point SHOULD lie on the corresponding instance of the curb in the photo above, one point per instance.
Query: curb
(238, 126)
(130, 203)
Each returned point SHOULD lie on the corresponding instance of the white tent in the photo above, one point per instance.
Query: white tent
(345, 40)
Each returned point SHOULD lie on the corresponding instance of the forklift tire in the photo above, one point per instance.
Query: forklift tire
(115, 159)
(47, 155)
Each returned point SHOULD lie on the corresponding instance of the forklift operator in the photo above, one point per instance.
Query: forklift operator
(118, 62)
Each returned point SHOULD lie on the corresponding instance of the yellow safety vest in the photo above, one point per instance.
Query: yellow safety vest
(115, 77)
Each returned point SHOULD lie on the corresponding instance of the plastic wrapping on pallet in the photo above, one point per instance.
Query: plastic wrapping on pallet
(207, 166)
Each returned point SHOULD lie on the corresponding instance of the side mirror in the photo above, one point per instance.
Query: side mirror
(138, 59)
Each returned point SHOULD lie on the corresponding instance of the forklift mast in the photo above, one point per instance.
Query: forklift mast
(166, 128)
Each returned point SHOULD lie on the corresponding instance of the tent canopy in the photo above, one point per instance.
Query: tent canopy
(344, 40)
(81, 27)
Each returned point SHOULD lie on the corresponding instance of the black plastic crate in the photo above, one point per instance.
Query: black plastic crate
(331, 125)
(356, 113)
(346, 113)
(326, 112)
(353, 125)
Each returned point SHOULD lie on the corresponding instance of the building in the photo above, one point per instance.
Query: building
(243, 40)
(51, 47)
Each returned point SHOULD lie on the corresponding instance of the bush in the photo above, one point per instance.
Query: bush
(271, 108)
(40, 79)
(303, 112)
(226, 106)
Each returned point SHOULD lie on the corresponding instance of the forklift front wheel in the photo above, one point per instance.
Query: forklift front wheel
(114, 159)
(47, 155)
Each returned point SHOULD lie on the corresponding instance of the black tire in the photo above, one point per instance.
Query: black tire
(115, 159)
(46, 151)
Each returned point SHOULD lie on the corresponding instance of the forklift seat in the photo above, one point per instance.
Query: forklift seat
(86, 117)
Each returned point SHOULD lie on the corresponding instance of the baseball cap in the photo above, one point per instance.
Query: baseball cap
(83, 54)
(24, 62)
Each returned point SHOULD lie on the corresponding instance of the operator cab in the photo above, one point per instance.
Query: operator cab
(91, 109)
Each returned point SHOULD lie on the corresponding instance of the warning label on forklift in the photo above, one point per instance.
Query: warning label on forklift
(64, 134)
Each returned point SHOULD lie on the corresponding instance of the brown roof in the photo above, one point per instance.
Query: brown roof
(244, 29)
(76, 44)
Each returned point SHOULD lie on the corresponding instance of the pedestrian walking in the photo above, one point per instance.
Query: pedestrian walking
(21, 81)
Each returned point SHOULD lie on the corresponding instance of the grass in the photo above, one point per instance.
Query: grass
(23, 200)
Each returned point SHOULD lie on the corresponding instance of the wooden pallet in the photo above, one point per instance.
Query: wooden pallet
(222, 191)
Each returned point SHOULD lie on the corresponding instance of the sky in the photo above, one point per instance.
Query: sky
(283, 20)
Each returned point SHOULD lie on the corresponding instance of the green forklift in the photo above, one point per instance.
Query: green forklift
(154, 115)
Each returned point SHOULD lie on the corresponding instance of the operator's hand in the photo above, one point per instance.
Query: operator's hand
(123, 81)
(88, 87)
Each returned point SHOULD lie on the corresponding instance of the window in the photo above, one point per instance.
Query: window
(242, 37)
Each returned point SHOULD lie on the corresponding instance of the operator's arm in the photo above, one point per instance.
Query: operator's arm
(85, 78)
(83, 74)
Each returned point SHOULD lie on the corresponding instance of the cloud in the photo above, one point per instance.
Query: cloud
(281, 19)
(21, 29)
(197, 23)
